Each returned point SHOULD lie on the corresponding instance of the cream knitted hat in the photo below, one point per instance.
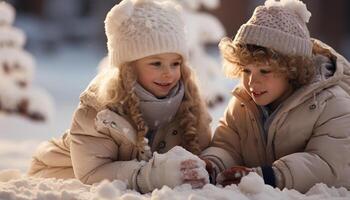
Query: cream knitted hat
(278, 25)
(141, 28)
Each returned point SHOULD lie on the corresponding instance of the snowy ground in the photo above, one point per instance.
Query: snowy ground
(251, 187)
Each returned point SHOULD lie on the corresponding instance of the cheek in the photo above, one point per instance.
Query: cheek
(144, 79)
(245, 82)
(280, 85)
(177, 74)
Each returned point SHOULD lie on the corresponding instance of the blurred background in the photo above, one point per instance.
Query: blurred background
(67, 41)
(50, 24)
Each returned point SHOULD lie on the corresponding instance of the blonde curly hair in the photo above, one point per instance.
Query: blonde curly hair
(300, 70)
(116, 91)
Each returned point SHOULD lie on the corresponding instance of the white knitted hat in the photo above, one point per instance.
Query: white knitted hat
(141, 28)
(278, 25)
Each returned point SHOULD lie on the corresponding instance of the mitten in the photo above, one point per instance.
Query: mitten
(209, 166)
(173, 168)
(232, 175)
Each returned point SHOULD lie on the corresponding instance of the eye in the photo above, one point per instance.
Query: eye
(246, 71)
(265, 71)
(176, 64)
(156, 64)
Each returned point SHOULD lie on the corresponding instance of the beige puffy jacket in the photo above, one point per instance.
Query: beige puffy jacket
(100, 145)
(308, 140)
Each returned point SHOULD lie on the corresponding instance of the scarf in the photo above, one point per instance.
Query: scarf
(157, 112)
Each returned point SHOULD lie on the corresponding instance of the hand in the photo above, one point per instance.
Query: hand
(173, 168)
(210, 169)
(193, 173)
(232, 175)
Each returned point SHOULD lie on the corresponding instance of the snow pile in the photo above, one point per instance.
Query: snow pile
(17, 95)
(13, 185)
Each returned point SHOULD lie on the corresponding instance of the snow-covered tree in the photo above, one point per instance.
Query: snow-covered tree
(17, 95)
(203, 28)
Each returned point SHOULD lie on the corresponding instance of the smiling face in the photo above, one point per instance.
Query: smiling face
(158, 74)
(264, 84)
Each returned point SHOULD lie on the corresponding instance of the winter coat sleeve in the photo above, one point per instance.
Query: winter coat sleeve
(96, 154)
(326, 157)
(224, 150)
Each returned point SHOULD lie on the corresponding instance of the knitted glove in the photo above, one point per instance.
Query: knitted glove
(232, 175)
(173, 168)
(210, 169)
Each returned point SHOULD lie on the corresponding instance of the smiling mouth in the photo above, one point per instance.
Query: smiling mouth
(258, 94)
(163, 84)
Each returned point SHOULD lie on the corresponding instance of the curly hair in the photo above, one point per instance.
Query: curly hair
(299, 70)
(116, 91)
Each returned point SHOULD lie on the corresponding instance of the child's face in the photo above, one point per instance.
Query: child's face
(264, 85)
(159, 73)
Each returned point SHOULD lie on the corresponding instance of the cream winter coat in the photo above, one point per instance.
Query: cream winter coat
(100, 145)
(308, 140)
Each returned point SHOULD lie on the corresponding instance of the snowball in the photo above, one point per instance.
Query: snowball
(252, 183)
(107, 191)
(179, 153)
(173, 159)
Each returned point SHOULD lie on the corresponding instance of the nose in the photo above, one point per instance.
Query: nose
(254, 79)
(166, 71)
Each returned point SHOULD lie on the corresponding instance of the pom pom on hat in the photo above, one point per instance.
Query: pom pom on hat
(139, 28)
(278, 25)
(122, 12)
(296, 6)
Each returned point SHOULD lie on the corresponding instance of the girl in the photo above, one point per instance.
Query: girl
(289, 120)
(146, 97)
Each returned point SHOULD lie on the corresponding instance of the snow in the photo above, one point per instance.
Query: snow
(174, 166)
(206, 66)
(14, 185)
(7, 13)
(252, 179)
(16, 74)
(12, 36)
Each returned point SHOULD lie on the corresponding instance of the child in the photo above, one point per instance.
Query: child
(289, 120)
(146, 96)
